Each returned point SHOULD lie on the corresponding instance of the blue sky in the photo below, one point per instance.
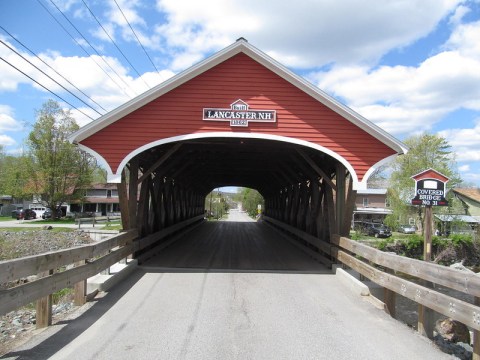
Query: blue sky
(408, 66)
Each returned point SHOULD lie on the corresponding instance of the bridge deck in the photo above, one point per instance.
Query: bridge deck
(163, 312)
(235, 245)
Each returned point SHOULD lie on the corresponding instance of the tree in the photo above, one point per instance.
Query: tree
(14, 175)
(57, 167)
(250, 200)
(425, 151)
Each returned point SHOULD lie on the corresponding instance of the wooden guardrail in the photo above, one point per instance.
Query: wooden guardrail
(96, 219)
(454, 308)
(88, 260)
(386, 269)
(356, 255)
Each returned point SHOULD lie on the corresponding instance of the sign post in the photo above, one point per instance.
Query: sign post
(429, 191)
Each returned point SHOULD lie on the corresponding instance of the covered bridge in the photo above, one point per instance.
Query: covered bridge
(238, 118)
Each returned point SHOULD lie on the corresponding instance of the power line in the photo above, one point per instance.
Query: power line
(86, 52)
(134, 33)
(88, 42)
(44, 73)
(114, 43)
(50, 91)
(44, 62)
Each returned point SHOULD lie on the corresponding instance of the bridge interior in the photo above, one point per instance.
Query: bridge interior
(205, 164)
(303, 188)
(237, 245)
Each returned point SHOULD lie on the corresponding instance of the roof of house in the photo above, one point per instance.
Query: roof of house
(463, 218)
(472, 194)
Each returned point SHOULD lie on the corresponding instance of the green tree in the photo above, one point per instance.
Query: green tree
(14, 170)
(425, 151)
(57, 167)
(250, 200)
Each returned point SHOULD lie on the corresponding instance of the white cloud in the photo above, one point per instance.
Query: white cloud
(464, 168)
(301, 34)
(6, 140)
(7, 123)
(458, 15)
(408, 99)
(465, 142)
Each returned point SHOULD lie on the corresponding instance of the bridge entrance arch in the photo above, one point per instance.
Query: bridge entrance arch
(238, 118)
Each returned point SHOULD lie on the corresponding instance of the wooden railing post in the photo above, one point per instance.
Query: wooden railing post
(389, 299)
(80, 289)
(476, 338)
(425, 315)
(44, 307)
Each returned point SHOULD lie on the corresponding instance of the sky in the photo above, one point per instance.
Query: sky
(409, 66)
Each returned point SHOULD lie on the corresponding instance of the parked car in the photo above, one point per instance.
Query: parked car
(25, 214)
(378, 230)
(407, 229)
(47, 214)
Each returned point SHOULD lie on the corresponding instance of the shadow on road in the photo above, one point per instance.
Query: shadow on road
(54, 338)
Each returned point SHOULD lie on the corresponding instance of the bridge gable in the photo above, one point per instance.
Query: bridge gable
(300, 115)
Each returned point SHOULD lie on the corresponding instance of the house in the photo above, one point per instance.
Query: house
(469, 221)
(99, 199)
(371, 205)
(470, 199)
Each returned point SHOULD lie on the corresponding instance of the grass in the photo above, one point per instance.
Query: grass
(112, 225)
(57, 221)
(6, 218)
(23, 229)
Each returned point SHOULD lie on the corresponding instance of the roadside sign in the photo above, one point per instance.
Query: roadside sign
(430, 188)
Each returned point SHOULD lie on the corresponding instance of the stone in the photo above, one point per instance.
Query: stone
(453, 331)
(47, 227)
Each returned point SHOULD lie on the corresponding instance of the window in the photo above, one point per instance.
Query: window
(365, 202)
(109, 193)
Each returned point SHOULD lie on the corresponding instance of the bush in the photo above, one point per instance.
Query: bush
(461, 240)
(414, 242)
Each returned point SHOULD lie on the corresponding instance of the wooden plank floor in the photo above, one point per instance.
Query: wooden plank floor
(234, 245)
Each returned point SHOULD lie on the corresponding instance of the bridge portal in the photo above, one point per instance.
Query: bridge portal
(238, 118)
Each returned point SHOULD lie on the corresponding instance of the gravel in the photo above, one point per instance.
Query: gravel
(17, 326)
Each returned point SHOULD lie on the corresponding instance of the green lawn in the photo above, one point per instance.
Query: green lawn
(57, 221)
(6, 218)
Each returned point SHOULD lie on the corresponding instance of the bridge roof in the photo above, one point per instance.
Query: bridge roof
(172, 111)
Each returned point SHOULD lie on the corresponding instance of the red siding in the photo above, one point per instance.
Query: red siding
(179, 112)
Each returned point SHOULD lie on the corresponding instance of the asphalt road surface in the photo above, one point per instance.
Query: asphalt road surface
(231, 290)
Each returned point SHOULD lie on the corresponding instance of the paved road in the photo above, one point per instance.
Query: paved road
(219, 294)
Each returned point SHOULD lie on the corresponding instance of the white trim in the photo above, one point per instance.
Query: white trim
(115, 178)
(363, 184)
(100, 159)
(240, 45)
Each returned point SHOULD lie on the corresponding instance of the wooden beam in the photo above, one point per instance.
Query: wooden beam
(132, 193)
(317, 169)
(80, 288)
(160, 161)
(44, 307)
(349, 207)
(123, 201)
(340, 195)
